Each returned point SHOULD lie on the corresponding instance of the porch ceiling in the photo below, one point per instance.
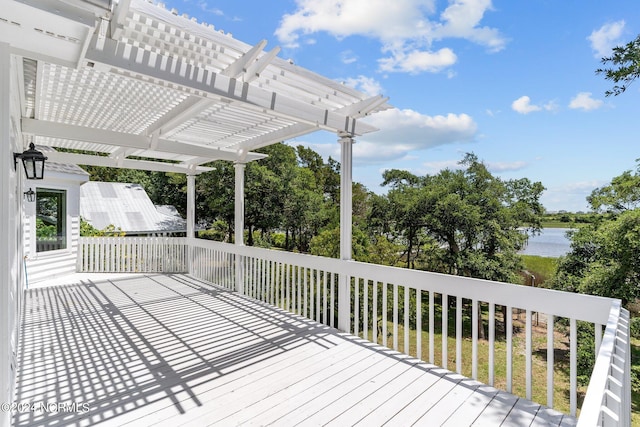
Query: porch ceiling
(139, 80)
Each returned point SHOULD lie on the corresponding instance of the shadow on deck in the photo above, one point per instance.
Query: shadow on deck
(173, 350)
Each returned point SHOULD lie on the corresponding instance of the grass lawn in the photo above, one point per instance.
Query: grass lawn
(541, 267)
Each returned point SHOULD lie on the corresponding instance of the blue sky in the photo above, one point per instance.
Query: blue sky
(512, 81)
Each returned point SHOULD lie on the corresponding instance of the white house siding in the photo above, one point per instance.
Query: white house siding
(41, 266)
(11, 276)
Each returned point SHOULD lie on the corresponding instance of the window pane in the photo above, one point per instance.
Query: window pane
(51, 220)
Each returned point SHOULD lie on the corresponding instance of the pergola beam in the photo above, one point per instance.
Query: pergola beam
(119, 139)
(277, 136)
(119, 15)
(359, 109)
(187, 109)
(239, 66)
(91, 160)
(254, 70)
(364, 107)
(135, 62)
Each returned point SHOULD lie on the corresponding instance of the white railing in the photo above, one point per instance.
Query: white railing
(132, 255)
(608, 400)
(408, 309)
(383, 304)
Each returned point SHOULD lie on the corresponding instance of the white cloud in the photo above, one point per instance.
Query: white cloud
(523, 105)
(462, 19)
(584, 101)
(497, 167)
(406, 28)
(605, 38)
(551, 106)
(401, 134)
(365, 84)
(416, 131)
(364, 152)
(418, 61)
(348, 57)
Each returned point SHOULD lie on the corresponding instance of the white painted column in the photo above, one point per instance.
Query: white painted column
(8, 267)
(191, 220)
(239, 222)
(191, 206)
(346, 178)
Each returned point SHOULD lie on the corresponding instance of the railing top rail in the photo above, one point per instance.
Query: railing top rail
(592, 406)
(113, 239)
(562, 304)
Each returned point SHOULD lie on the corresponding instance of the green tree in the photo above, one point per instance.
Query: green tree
(624, 66)
(215, 198)
(467, 220)
(622, 194)
(604, 256)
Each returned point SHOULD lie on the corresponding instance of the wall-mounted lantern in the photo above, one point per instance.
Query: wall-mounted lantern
(33, 162)
(30, 195)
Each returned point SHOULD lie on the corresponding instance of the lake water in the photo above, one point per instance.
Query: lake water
(552, 242)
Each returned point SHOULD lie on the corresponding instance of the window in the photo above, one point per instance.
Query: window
(51, 220)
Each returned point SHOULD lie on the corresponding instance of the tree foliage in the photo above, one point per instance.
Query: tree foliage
(604, 258)
(467, 221)
(462, 221)
(624, 66)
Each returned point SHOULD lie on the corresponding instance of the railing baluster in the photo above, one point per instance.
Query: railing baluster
(271, 273)
(298, 283)
(509, 331)
(459, 334)
(305, 272)
(550, 361)
(476, 323)
(407, 308)
(290, 289)
(100, 258)
(384, 315)
(445, 330)
(395, 316)
(432, 349)
(528, 379)
(356, 306)
(255, 266)
(573, 367)
(315, 295)
(419, 324)
(324, 298)
(332, 304)
(318, 282)
(365, 309)
(374, 312)
(492, 342)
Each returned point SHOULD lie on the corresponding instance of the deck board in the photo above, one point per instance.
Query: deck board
(173, 350)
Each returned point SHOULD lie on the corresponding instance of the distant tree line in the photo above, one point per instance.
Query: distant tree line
(464, 221)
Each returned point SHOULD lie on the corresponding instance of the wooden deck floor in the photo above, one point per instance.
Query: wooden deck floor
(173, 350)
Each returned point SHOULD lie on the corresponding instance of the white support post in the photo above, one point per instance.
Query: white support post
(346, 167)
(239, 222)
(8, 257)
(191, 219)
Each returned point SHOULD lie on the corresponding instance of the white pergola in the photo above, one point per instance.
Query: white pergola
(134, 80)
(125, 81)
